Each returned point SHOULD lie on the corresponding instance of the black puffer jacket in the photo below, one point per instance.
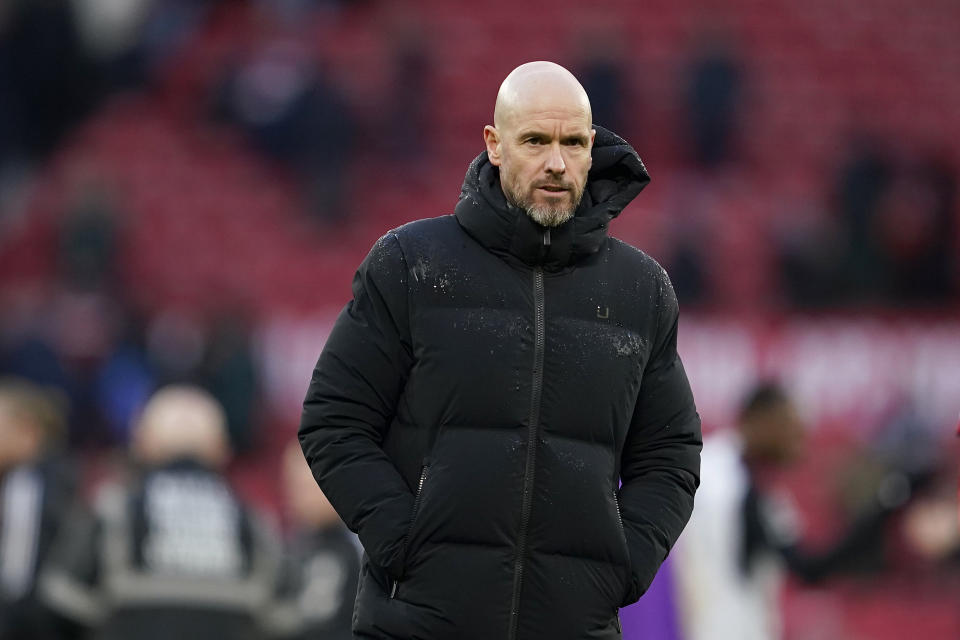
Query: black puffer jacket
(476, 404)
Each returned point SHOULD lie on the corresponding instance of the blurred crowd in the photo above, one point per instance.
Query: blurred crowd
(892, 238)
(746, 534)
(62, 59)
(85, 335)
(164, 547)
(880, 228)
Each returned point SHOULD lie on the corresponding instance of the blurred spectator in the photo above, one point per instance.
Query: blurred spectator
(36, 489)
(217, 356)
(111, 34)
(76, 333)
(230, 373)
(603, 76)
(407, 113)
(323, 575)
(714, 100)
(88, 236)
(125, 378)
(174, 553)
(916, 231)
(84, 327)
(176, 343)
(807, 252)
(931, 527)
(294, 114)
(56, 340)
(899, 219)
(689, 233)
(685, 262)
(931, 524)
(43, 74)
(126, 41)
(731, 557)
(860, 187)
(27, 348)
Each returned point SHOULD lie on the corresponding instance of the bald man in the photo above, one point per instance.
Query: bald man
(174, 552)
(500, 412)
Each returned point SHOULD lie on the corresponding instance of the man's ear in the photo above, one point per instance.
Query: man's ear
(491, 137)
(593, 137)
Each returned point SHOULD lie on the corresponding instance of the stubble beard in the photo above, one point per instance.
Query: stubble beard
(543, 214)
(548, 216)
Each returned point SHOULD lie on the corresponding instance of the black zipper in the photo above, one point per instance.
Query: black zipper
(532, 435)
(616, 502)
(413, 516)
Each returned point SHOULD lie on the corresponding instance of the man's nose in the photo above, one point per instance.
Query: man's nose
(555, 163)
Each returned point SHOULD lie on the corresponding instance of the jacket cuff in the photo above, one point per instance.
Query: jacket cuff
(383, 536)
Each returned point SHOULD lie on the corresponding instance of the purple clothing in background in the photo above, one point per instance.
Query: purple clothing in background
(654, 617)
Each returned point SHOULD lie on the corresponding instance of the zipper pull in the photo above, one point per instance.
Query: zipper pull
(393, 589)
(546, 237)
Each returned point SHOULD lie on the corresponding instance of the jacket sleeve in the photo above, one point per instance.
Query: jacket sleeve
(351, 400)
(660, 463)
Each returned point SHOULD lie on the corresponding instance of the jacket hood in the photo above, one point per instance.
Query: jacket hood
(616, 176)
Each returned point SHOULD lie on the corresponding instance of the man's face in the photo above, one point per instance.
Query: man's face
(19, 438)
(777, 434)
(543, 151)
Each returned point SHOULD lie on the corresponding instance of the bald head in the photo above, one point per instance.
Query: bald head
(539, 86)
(541, 141)
(182, 421)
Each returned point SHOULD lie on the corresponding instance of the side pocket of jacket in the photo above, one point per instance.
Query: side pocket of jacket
(413, 517)
(623, 534)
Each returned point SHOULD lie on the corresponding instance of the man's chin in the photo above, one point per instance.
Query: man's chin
(549, 217)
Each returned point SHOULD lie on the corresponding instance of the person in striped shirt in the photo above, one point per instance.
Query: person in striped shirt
(36, 491)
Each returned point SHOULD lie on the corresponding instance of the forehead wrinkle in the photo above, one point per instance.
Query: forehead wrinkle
(555, 121)
(543, 117)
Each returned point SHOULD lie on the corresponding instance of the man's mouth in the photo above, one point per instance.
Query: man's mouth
(552, 188)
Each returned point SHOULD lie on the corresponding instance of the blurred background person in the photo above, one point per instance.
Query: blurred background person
(931, 526)
(744, 534)
(37, 487)
(714, 96)
(323, 565)
(173, 552)
(284, 102)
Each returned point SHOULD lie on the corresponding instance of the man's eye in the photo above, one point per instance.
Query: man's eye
(533, 141)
